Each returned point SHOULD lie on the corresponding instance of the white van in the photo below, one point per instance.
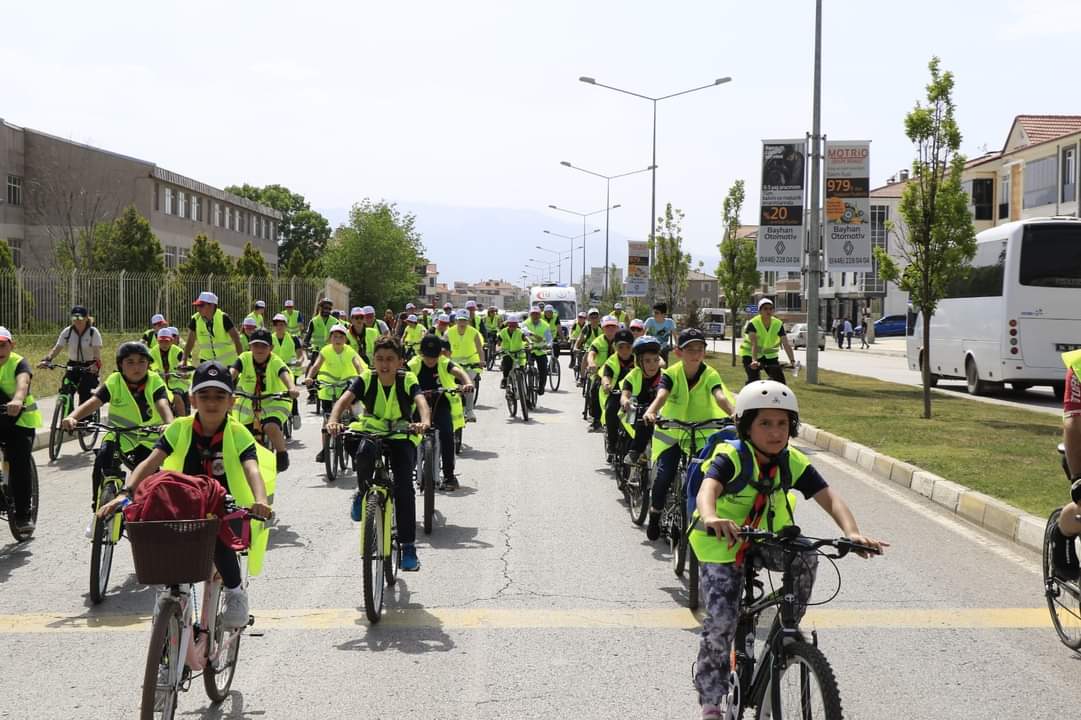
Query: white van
(713, 320)
(565, 301)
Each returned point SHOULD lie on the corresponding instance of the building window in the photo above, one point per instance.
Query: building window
(228, 218)
(1004, 197)
(1069, 174)
(880, 215)
(168, 201)
(181, 204)
(981, 198)
(181, 256)
(1040, 182)
(793, 302)
(217, 215)
(170, 257)
(15, 190)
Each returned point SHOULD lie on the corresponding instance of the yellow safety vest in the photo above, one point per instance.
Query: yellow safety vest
(492, 323)
(612, 362)
(292, 321)
(538, 330)
(603, 347)
(124, 411)
(1072, 360)
(235, 439)
(213, 346)
(336, 366)
(272, 383)
(321, 330)
(463, 346)
(158, 366)
(448, 381)
(769, 339)
(688, 405)
(738, 504)
(513, 342)
(286, 349)
(387, 410)
(413, 335)
(30, 416)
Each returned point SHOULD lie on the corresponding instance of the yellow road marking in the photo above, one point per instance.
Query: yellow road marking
(571, 619)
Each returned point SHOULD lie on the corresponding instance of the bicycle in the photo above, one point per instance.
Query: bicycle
(182, 372)
(428, 460)
(65, 403)
(674, 519)
(589, 386)
(490, 351)
(334, 459)
(516, 393)
(106, 532)
(380, 547)
(257, 401)
(554, 373)
(791, 677)
(1063, 596)
(177, 554)
(7, 498)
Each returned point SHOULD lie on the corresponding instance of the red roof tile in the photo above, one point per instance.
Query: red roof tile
(1041, 128)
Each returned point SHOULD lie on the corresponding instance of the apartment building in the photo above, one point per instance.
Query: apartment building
(55, 187)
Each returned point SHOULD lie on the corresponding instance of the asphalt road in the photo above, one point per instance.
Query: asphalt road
(537, 598)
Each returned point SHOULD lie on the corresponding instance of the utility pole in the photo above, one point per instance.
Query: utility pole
(814, 271)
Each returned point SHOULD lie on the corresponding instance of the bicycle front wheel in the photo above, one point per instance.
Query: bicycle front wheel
(329, 458)
(637, 490)
(677, 541)
(512, 397)
(223, 653)
(427, 481)
(56, 433)
(523, 395)
(805, 689)
(553, 373)
(1062, 595)
(89, 438)
(16, 533)
(372, 542)
(101, 553)
(164, 666)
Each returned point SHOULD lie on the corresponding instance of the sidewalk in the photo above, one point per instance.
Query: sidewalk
(46, 406)
(888, 346)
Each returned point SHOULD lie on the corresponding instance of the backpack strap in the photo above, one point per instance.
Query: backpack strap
(404, 401)
(746, 467)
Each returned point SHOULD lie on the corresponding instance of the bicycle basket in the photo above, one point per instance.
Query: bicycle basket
(173, 552)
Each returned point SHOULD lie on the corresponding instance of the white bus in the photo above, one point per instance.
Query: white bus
(563, 299)
(1016, 312)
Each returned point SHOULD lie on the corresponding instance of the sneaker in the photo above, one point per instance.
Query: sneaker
(471, 418)
(319, 456)
(282, 460)
(610, 458)
(503, 384)
(653, 529)
(235, 613)
(354, 510)
(89, 532)
(450, 483)
(711, 712)
(296, 422)
(25, 526)
(631, 458)
(410, 563)
(595, 427)
(1064, 556)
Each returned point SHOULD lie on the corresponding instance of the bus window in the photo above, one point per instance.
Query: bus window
(985, 276)
(1051, 256)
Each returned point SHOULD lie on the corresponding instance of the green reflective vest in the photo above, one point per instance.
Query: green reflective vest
(216, 345)
(124, 411)
(463, 345)
(492, 323)
(258, 318)
(386, 411)
(539, 330)
(336, 366)
(447, 381)
(738, 506)
(321, 330)
(413, 335)
(577, 330)
(513, 343)
(286, 349)
(1072, 360)
(272, 383)
(769, 339)
(621, 316)
(30, 417)
(618, 373)
(689, 405)
(553, 323)
(161, 364)
(635, 378)
(603, 347)
(292, 321)
(235, 440)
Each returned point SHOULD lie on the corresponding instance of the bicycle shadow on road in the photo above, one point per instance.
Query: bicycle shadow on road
(455, 537)
(469, 453)
(231, 709)
(405, 627)
(282, 536)
(12, 557)
(128, 596)
(83, 460)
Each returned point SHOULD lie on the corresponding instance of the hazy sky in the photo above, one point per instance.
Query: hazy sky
(475, 103)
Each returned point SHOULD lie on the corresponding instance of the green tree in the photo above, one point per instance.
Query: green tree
(376, 255)
(615, 287)
(737, 273)
(940, 240)
(672, 265)
(128, 244)
(301, 230)
(207, 258)
(251, 263)
(7, 260)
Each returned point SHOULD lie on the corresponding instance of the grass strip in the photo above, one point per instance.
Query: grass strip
(46, 383)
(1005, 452)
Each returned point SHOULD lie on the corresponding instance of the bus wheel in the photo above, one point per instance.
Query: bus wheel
(972, 379)
(932, 378)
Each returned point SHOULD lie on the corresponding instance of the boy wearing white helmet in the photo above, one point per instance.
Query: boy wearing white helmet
(747, 483)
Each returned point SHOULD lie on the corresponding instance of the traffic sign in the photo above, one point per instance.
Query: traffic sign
(752, 309)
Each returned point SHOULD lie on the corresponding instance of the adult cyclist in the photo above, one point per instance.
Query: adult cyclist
(763, 339)
(1064, 553)
(541, 333)
(467, 351)
(215, 332)
(83, 343)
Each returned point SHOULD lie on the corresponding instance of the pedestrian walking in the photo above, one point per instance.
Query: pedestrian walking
(862, 332)
(848, 333)
(839, 333)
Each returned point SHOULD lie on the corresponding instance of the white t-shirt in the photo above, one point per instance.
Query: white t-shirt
(80, 348)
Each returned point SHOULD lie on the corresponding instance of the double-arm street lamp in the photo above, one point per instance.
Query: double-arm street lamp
(607, 201)
(653, 194)
(573, 239)
(584, 233)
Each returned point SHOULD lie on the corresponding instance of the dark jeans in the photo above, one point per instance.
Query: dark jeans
(664, 470)
(82, 379)
(595, 403)
(18, 443)
(106, 462)
(772, 366)
(442, 420)
(612, 425)
(643, 434)
(403, 459)
(228, 565)
(542, 372)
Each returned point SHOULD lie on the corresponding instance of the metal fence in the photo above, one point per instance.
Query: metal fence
(33, 301)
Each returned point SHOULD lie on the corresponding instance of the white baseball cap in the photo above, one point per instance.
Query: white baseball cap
(470, 304)
(609, 320)
(356, 311)
(411, 318)
(206, 298)
(339, 328)
(619, 306)
(157, 318)
(368, 310)
(5, 334)
(260, 304)
(279, 318)
(165, 333)
(290, 303)
(764, 301)
(636, 323)
(443, 318)
(249, 322)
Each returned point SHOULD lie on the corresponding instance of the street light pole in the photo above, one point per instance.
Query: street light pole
(584, 233)
(653, 193)
(814, 239)
(572, 238)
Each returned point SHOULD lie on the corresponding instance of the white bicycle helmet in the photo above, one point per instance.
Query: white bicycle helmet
(766, 395)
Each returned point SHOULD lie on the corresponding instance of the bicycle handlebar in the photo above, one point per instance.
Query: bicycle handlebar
(268, 396)
(139, 430)
(791, 539)
(711, 424)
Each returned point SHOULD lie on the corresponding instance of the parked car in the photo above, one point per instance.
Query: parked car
(797, 337)
(890, 326)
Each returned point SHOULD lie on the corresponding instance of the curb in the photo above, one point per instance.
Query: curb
(977, 508)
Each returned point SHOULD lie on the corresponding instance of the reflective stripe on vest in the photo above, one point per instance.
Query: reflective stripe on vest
(336, 366)
(30, 417)
(769, 339)
(387, 411)
(688, 405)
(321, 330)
(272, 383)
(447, 381)
(292, 321)
(217, 346)
(463, 346)
(235, 438)
(124, 411)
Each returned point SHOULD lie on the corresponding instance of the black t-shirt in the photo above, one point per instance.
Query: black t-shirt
(203, 447)
(103, 395)
(429, 377)
(810, 483)
(666, 382)
(648, 391)
(624, 368)
(226, 322)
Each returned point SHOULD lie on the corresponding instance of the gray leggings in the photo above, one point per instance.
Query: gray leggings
(722, 586)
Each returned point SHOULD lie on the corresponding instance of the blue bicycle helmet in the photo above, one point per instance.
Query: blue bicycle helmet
(646, 343)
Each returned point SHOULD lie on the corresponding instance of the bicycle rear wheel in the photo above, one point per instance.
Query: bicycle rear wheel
(12, 524)
(677, 542)
(512, 397)
(372, 542)
(219, 670)
(56, 433)
(458, 441)
(1062, 595)
(163, 662)
(692, 581)
(427, 483)
(806, 688)
(523, 395)
(394, 561)
(329, 458)
(554, 375)
(101, 553)
(89, 438)
(637, 490)
(532, 384)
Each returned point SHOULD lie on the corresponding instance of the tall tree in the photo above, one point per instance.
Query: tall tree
(376, 255)
(669, 274)
(737, 273)
(129, 244)
(940, 240)
(251, 263)
(207, 258)
(302, 230)
(7, 260)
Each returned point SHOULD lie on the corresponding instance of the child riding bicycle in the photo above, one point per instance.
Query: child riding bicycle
(435, 371)
(336, 363)
(19, 417)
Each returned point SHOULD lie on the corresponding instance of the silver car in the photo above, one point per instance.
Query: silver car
(797, 336)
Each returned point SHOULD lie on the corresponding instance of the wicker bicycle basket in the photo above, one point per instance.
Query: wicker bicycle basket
(173, 552)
